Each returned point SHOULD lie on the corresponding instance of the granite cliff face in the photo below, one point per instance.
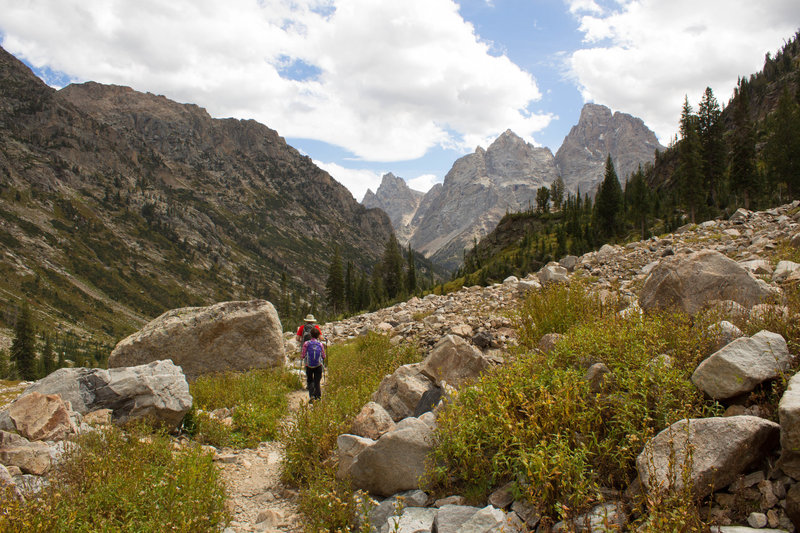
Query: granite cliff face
(476, 193)
(399, 201)
(117, 205)
(582, 156)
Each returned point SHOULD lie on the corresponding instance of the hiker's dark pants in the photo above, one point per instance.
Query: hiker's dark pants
(313, 377)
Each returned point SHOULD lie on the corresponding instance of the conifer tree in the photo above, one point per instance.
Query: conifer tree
(334, 287)
(743, 149)
(608, 203)
(411, 272)
(48, 358)
(349, 288)
(392, 268)
(712, 144)
(782, 151)
(690, 166)
(557, 193)
(638, 194)
(543, 200)
(23, 347)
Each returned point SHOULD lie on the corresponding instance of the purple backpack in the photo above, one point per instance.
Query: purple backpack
(314, 351)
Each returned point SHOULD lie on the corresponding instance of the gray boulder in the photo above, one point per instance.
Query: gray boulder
(229, 336)
(157, 390)
(692, 282)
(712, 451)
(347, 448)
(605, 518)
(724, 333)
(400, 392)
(411, 520)
(452, 517)
(492, 520)
(455, 361)
(396, 461)
(743, 364)
(553, 273)
(784, 270)
(789, 418)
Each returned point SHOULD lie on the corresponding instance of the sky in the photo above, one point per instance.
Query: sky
(366, 87)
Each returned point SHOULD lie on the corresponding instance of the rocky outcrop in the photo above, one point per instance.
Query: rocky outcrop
(598, 134)
(454, 361)
(157, 390)
(399, 201)
(41, 417)
(400, 392)
(229, 336)
(477, 191)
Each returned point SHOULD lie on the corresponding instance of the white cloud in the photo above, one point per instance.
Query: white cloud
(645, 55)
(393, 78)
(357, 181)
(424, 182)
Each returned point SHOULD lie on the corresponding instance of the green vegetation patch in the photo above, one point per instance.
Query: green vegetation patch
(354, 372)
(111, 481)
(537, 421)
(256, 399)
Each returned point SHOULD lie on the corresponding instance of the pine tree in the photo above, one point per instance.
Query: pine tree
(690, 165)
(543, 200)
(393, 268)
(782, 151)
(411, 272)
(48, 358)
(557, 193)
(638, 194)
(334, 287)
(23, 347)
(743, 150)
(712, 144)
(608, 203)
(350, 288)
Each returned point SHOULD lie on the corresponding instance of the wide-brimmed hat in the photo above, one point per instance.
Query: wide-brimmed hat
(310, 318)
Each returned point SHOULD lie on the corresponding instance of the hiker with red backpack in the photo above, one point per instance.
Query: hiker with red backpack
(313, 356)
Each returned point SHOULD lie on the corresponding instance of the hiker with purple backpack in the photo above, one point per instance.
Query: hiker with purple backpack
(313, 357)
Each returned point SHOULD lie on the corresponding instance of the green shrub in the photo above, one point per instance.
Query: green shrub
(535, 421)
(114, 482)
(555, 309)
(354, 372)
(257, 400)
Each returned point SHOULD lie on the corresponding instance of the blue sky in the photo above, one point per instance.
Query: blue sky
(372, 86)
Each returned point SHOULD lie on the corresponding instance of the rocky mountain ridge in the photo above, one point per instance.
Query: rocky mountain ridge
(483, 186)
(117, 205)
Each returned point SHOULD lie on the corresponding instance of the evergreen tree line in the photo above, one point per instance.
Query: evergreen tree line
(34, 355)
(394, 278)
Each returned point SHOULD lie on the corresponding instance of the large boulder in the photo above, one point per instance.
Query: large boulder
(158, 390)
(41, 417)
(789, 418)
(689, 283)
(708, 452)
(454, 361)
(396, 461)
(229, 336)
(552, 272)
(743, 364)
(347, 449)
(400, 392)
(30, 457)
